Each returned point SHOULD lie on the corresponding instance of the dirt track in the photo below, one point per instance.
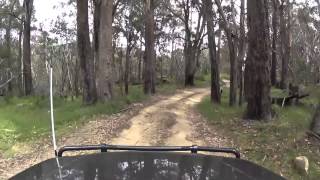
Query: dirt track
(164, 123)
(169, 121)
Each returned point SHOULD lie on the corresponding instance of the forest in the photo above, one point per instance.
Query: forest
(253, 68)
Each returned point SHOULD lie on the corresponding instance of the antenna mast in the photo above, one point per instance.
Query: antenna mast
(54, 142)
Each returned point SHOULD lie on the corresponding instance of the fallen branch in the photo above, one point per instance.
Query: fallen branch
(6, 83)
(283, 101)
(310, 133)
(123, 110)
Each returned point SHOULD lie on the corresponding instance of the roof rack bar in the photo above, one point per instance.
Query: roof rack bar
(192, 149)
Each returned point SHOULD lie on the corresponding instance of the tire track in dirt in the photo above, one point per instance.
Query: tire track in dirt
(164, 123)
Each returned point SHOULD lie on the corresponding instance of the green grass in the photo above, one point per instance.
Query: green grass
(275, 92)
(271, 144)
(167, 88)
(203, 80)
(24, 120)
(314, 97)
(225, 76)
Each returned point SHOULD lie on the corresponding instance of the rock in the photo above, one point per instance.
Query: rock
(301, 163)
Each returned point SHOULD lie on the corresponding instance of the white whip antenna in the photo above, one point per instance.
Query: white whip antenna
(54, 142)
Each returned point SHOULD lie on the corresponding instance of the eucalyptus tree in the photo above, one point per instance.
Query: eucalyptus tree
(85, 53)
(105, 79)
(304, 64)
(215, 73)
(132, 25)
(27, 73)
(275, 35)
(193, 36)
(242, 50)
(285, 38)
(149, 61)
(257, 71)
(230, 31)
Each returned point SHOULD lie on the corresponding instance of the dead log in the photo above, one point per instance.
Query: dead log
(312, 134)
(288, 100)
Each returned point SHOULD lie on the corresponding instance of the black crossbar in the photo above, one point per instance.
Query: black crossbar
(106, 148)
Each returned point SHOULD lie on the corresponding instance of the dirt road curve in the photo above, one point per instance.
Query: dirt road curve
(169, 121)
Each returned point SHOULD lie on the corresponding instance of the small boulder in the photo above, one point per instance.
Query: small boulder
(301, 163)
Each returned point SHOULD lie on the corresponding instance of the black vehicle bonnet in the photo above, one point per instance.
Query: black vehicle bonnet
(146, 166)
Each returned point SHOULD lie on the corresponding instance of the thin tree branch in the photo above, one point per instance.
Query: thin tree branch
(179, 16)
(115, 7)
(7, 82)
(13, 15)
(223, 16)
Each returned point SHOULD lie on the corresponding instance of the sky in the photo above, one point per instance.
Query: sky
(45, 12)
(44, 9)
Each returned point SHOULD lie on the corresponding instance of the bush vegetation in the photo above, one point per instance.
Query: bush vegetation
(274, 144)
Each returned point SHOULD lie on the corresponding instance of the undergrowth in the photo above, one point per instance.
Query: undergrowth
(271, 144)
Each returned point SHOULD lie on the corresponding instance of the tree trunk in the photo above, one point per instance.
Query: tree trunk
(242, 49)
(233, 72)
(189, 55)
(8, 52)
(96, 29)
(28, 7)
(85, 53)
(232, 55)
(105, 62)
(140, 61)
(215, 73)
(192, 42)
(275, 4)
(126, 70)
(219, 47)
(20, 62)
(149, 68)
(161, 68)
(285, 43)
(120, 71)
(257, 72)
(76, 78)
(172, 61)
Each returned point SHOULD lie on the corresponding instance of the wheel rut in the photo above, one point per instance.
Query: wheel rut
(164, 123)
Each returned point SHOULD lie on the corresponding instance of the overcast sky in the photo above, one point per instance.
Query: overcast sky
(45, 12)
